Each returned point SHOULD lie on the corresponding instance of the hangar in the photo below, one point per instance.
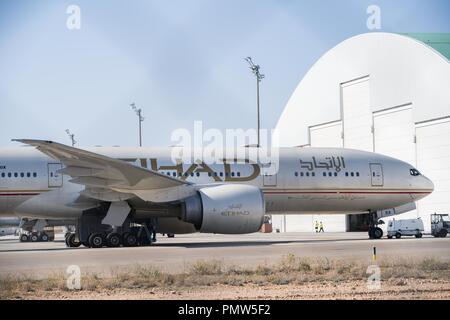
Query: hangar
(382, 92)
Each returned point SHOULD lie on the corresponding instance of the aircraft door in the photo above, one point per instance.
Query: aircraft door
(269, 172)
(376, 174)
(55, 179)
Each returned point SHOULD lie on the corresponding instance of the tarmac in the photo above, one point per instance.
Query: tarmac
(177, 254)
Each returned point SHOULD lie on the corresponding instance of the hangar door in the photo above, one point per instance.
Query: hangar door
(326, 135)
(394, 136)
(356, 114)
(433, 160)
(394, 133)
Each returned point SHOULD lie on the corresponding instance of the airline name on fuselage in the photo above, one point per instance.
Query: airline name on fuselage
(199, 167)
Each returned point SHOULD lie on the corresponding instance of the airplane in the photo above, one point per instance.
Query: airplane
(9, 226)
(34, 230)
(119, 195)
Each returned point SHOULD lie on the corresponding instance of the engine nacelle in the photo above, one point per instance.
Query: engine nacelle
(226, 209)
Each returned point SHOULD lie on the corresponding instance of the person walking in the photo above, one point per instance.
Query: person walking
(316, 226)
(321, 227)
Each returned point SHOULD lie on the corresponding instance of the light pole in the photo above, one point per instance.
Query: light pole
(255, 69)
(72, 137)
(141, 118)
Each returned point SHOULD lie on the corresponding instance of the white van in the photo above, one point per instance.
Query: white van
(406, 227)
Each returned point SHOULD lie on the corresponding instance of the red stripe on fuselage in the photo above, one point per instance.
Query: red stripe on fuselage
(18, 194)
(346, 192)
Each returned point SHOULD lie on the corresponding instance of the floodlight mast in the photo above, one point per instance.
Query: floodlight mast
(141, 118)
(259, 76)
(72, 137)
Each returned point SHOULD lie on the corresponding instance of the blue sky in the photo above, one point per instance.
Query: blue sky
(179, 60)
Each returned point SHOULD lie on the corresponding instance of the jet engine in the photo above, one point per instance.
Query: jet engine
(225, 209)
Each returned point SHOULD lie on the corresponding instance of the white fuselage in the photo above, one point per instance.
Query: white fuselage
(319, 180)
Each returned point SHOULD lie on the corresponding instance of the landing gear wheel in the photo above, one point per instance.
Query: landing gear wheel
(113, 240)
(377, 233)
(34, 238)
(72, 242)
(129, 240)
(398, 235)
(44, 237)
(24, 238)
(96, 240)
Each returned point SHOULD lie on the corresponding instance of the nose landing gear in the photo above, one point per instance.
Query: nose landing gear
(374, 232)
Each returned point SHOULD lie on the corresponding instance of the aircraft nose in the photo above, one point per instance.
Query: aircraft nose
(428, 184)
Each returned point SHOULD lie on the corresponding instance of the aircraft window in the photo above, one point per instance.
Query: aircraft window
(313, 174)
(15, 175)
(192, 174)
(346, 174)
(352, 174)
(179, 174)
(301, 174)
(22, 175)
(330, 174)
(186, 174)
(209, 174)
(168, 173)
(414, 172)
(221, 174)
(226, 174)
(296, 174)
(198, 174)
(324, 174)
(3, 174)
(307, 174)
(28, 174)
(215, 174)
(357, 174)
(373, 174)
(9, 174)
(34, 174)
(335, 174)
(238, 174)
(174, 174)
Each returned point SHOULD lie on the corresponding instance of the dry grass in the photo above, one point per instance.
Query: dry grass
(290, 270)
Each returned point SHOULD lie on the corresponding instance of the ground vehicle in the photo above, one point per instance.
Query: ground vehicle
(405, 227)
(440, 225)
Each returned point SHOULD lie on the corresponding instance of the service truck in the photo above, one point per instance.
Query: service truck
(405, 227)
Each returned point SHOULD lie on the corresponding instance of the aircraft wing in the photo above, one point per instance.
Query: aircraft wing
(110, 179)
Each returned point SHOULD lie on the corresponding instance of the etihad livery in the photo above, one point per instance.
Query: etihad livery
(108, 191)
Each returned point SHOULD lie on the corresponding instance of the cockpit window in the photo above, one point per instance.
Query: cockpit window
(414, 172)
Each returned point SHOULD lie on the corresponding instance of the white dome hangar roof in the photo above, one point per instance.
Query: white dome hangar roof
(401, 70)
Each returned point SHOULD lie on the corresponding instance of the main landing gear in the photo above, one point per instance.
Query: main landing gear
(91, 233)
(374, 232)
